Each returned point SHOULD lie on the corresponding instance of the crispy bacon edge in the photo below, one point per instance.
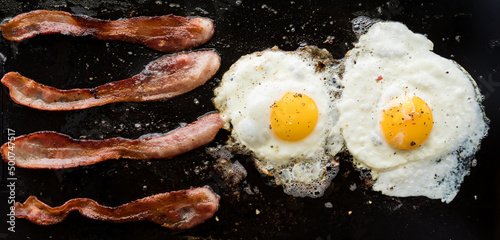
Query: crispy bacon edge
(165, 78)
(176, 210)
(167, 33)
(52, 150)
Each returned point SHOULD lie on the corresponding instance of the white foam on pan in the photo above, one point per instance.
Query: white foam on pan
(361, 24)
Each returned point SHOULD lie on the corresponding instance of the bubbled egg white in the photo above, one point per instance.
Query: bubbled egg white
(254, 86)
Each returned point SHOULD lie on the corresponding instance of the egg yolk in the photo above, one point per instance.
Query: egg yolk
(294, 116)
(406, 122)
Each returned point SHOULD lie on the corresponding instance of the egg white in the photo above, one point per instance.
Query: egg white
(406, 65)
(245, 97)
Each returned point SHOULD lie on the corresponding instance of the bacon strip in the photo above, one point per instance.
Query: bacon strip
(163, 33)
(176, 210)
(53, 150)
(164, 78)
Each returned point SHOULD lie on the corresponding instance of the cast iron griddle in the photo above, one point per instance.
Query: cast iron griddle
(466, 31)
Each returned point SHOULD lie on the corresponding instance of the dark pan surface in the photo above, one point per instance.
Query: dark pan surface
(466, 31)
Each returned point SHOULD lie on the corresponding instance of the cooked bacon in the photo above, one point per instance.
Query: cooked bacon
(176, 210)
(164, 78)
(52, 150)
(163, 33)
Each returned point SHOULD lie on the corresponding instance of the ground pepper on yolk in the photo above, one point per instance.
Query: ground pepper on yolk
(406, 122)
(294, 116)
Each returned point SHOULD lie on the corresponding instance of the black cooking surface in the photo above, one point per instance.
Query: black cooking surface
(466, 31)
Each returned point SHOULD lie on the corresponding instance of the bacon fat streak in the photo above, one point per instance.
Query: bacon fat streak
(52, 150)
(167, 77)
(176, 210)
(163, 33)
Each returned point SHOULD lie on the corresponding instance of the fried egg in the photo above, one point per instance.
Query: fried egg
(281, 107)
(410, 116)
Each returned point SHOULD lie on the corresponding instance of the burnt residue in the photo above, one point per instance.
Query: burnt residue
(231, 173)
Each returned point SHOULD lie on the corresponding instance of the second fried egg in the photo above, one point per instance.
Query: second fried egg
(418, 119)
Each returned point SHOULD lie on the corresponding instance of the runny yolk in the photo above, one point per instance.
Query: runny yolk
(294, 116)
(406, 122)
